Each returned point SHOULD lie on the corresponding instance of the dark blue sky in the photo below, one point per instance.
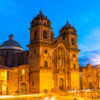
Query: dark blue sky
(84, 15)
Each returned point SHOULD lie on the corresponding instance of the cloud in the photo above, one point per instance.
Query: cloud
(90, 48)
(92, 57)
(95, 60)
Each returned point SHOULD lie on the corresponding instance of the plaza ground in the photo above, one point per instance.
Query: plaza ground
(48, 97)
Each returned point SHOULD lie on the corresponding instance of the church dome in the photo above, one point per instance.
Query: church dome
(40, 19)
(68, 28)
(40, 16)
(11, 44)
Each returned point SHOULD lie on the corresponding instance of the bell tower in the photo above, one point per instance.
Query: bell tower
(68, 33)
(40, 31)
(39, 55)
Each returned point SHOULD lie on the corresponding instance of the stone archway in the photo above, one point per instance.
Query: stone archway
(23, 88)
(90, 85)
(61, 84)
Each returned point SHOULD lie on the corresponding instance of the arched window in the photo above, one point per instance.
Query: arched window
(44, 24)
(72, 32)
(35, 35)
(45, 51)
(74, 55)
(73, 42)
(45, 34)
(74, 66)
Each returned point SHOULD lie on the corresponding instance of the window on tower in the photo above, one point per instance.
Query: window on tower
(74, 66)
(44, 24)
(45, 51)
(35, 35)
(45, 34)
(74, 55)
(72, 41)
(72, 33)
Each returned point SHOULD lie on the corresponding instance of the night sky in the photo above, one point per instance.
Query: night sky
(84, 15)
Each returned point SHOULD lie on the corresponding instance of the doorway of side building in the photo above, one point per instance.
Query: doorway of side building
(90, 85)
(61, 84)
(23, 88)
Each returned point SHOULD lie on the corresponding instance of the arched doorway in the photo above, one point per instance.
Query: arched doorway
(23, 88)
(61, 84)
(90, 85)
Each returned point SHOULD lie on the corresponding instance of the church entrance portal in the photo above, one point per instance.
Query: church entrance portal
(61, 84)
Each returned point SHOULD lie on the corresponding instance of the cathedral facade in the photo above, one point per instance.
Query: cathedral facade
(51, 64)
(57, 68)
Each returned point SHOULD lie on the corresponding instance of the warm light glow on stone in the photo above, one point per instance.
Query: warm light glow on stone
(4, 88)
(49, 98)
(23, 72)
(20, 96)
(3, 75)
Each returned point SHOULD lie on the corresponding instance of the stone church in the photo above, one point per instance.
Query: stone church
(50, 65)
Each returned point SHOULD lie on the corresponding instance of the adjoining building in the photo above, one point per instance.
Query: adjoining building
(51, 64)
(12, 54)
